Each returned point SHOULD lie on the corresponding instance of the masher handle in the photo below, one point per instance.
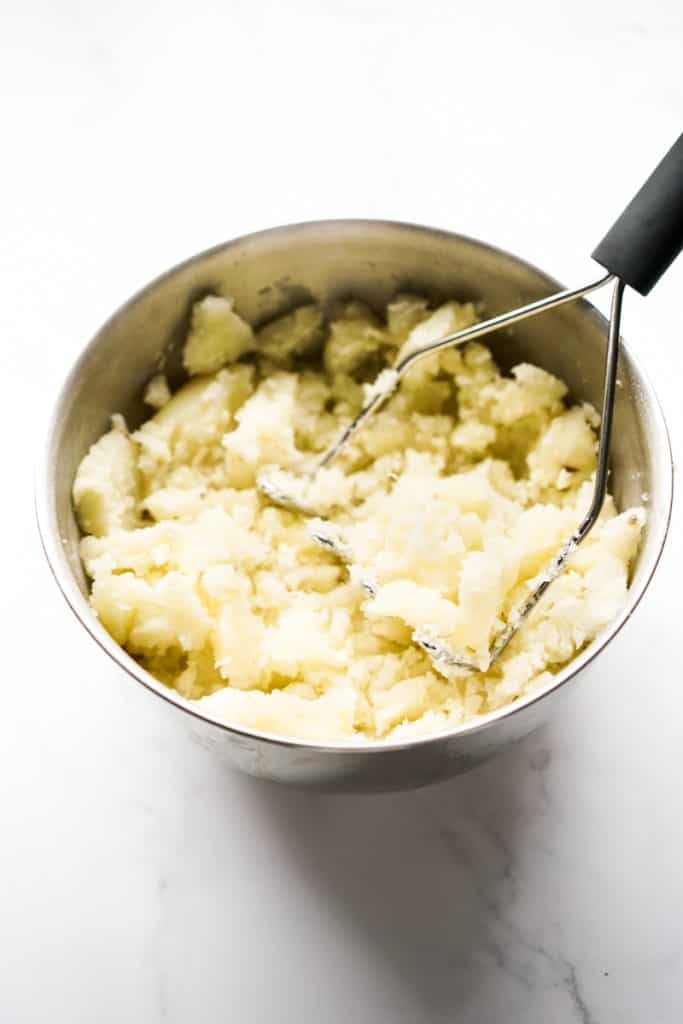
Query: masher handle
(648, 236)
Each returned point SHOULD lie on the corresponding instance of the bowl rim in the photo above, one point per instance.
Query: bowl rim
(63, 575)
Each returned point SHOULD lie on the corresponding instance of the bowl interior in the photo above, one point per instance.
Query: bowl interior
(273, 271)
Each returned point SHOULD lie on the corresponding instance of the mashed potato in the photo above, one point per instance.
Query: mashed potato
(447, 505)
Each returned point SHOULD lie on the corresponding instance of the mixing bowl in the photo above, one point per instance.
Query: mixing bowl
(269, 273)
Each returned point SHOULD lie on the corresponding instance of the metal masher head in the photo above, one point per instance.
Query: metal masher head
(636, 251)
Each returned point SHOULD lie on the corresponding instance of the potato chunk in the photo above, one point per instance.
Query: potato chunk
(218, 336)
(105, 490)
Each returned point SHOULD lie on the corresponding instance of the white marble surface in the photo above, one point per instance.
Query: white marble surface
(140, 882)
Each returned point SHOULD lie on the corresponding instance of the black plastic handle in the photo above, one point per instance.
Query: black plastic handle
(645, 240)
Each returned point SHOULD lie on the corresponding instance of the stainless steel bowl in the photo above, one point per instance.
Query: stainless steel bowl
(268, 273)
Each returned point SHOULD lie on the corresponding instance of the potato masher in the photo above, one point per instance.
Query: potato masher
(639, 247)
